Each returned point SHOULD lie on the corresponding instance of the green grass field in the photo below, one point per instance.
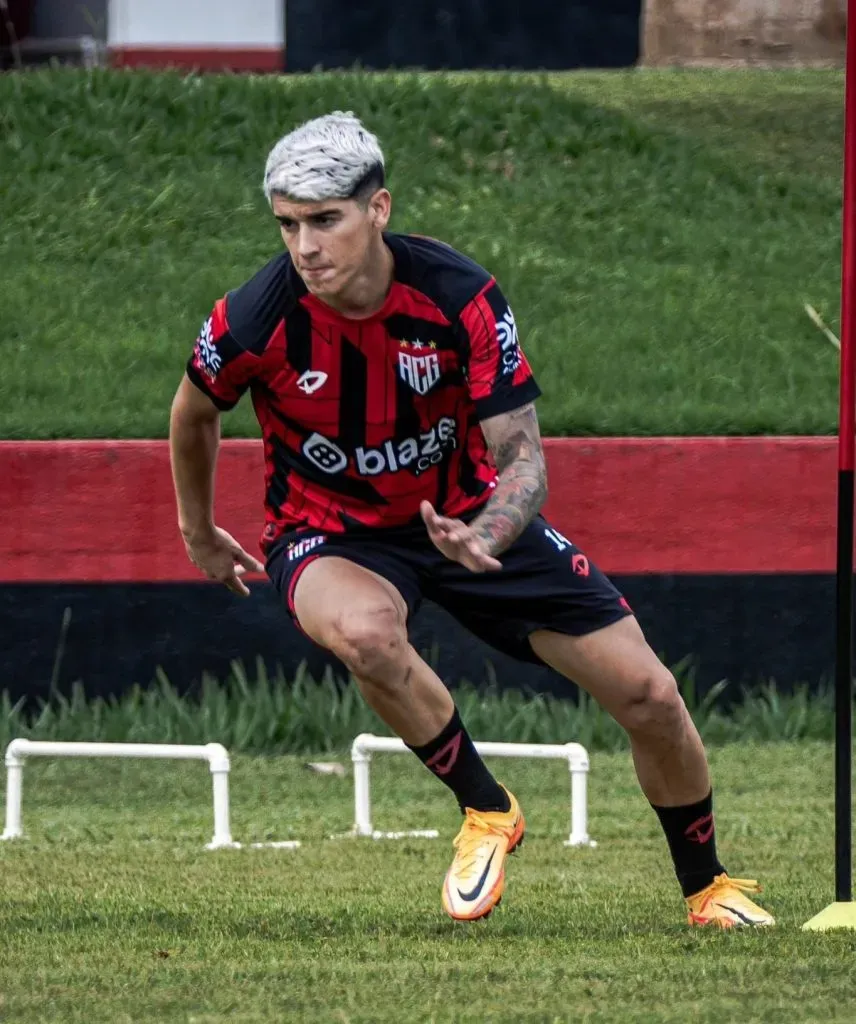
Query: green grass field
(656, 232)
(112, 911)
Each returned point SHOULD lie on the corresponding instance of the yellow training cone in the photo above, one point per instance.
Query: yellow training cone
(836, 915)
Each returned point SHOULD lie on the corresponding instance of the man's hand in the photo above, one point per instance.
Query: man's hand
(457, 541)
(220, 557)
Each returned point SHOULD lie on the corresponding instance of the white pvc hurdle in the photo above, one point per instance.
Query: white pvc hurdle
(214, 753)
(574, 754)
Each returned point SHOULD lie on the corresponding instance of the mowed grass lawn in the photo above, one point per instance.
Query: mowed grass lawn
(112, 911)
(657, 233)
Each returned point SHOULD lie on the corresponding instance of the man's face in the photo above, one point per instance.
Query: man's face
(329, 241)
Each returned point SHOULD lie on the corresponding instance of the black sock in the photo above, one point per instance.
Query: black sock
(690, 835)
(452, 757)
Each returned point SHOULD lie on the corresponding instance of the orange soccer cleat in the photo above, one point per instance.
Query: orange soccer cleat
(476, 878)
(724, 904)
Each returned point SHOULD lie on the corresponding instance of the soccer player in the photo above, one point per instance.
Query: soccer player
(403, 460)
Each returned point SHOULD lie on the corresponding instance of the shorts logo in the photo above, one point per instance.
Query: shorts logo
(509, 346)
(579, 563)
(416, 454)
(208, 358)
(297, 549)
(420, 372)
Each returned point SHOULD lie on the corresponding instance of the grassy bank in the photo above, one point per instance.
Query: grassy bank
(656, 232)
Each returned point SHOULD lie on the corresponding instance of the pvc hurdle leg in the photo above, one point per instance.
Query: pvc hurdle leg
(222, 832)
(14, 798)
(579, 803)
(218, 762)
(362, 796)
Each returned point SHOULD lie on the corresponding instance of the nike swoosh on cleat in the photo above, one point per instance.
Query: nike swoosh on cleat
(737, 913)
(475, 892)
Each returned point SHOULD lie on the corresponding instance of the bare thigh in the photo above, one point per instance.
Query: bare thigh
(333, 592)
(362, 618)
(614, 664)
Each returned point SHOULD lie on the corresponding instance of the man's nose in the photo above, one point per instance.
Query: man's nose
(307, 242)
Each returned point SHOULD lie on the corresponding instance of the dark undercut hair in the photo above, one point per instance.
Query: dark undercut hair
(368, 184)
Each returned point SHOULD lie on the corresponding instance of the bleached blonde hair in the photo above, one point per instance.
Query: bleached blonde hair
(330, 157)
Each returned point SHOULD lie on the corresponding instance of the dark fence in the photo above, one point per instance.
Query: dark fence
(746, 628)
(462, 34)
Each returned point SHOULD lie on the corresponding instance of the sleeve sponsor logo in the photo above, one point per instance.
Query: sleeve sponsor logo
(509, 345)
(208, 359)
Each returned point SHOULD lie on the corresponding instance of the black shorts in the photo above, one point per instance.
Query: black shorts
(545, 582)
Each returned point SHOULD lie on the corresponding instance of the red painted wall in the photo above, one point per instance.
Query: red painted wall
(104, 510)
(212, 58)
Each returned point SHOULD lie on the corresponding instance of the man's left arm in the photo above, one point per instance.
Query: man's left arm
(502, 390)
(515, 442)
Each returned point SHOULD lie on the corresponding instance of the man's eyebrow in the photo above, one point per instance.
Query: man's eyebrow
(282, 217)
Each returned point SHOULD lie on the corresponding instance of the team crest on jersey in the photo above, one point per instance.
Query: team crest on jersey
(421, 372)
(207, 356)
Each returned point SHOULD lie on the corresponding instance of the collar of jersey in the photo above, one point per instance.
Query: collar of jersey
(328, 313)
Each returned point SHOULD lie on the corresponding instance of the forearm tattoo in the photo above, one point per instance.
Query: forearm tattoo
(515, 442)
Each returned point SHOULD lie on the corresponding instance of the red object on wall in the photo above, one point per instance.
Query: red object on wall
(257, 59)
(104, 510)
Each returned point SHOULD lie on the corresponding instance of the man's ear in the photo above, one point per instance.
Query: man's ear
(380, 208)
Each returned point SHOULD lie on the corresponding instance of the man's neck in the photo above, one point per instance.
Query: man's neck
(369, 290)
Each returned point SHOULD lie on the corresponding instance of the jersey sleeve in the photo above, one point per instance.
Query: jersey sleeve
(498, 373)
(219, 365)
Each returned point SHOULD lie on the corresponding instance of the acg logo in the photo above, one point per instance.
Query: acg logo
(417, 454)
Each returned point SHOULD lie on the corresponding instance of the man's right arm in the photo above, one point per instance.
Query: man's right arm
(194, 438)
(218, 373)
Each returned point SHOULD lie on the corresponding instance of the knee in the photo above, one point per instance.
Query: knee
(653, 704)
(371, 642)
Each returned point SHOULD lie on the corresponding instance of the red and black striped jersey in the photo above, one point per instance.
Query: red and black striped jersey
(363, 419)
